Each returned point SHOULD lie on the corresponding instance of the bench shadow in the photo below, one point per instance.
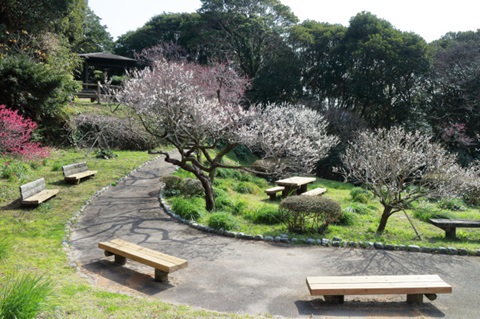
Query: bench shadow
(358, 308)
(128, 277)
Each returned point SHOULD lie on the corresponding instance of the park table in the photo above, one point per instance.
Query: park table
(295, 182)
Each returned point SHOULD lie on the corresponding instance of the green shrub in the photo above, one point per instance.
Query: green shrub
(451, 203)
(260, 182)
(171, 182)
(472, 196)
(348, 218)
(189, 209)
(239, 206)
(190, 187)
(222, 220)
(360, 195)
(246, 188)
(218, 192)
(229, 173)
(225, 203)
(424, 211)
(358, 208)
(266, 215)
(105, 154)
(37, 90)
(309, 213)
(24, 296)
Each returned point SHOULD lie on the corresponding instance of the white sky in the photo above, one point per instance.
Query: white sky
(431, 19)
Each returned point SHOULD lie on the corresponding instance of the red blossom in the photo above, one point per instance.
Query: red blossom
(15, 135)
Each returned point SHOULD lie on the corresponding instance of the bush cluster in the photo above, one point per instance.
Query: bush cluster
(266, 215)
(360, 195)
(190, 209)
(303, 214)
(222, 220)
(175, 186)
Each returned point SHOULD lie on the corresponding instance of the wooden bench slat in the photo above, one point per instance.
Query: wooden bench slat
(40, 197)
(182, 263)
(347, 285)
(274, 189)
(80, 175)
(315, 192)
(360, 279)
(144, 256)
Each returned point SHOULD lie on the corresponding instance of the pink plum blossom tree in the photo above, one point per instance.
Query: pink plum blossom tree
(197, 111)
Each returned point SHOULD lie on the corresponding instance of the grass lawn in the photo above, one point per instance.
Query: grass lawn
(242, 196)
(35, 236)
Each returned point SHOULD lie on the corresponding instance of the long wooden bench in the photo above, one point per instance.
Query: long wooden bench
(272, 192)
(414, 286)
(450, 226)
(163, 263)
(73, 173)
(35, 193)
(315, 192)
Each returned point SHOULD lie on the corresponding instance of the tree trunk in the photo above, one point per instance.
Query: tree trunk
(209, 195)
(387, 212)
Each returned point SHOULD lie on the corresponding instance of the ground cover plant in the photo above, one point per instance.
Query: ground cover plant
(31, 241)
(251, 212)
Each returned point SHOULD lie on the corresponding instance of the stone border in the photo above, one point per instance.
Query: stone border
(72, 221)
(334, 242)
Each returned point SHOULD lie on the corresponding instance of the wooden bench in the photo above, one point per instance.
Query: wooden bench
(272, 192)
(75, 172)
(450, 226)
(163, 263)
(415, 286)
(35, 193)
(315, 192)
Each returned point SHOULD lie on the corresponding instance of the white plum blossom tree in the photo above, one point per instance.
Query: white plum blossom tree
(176, 106)
(399, 167)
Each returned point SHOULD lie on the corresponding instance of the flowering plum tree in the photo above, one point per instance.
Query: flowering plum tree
(15, 135)
(400, 167)
(177, 105)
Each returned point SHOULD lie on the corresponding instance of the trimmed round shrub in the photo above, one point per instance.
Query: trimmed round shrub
(266, 215)
(303, 214)
(222, 220)
(187, 208)
(191, 187)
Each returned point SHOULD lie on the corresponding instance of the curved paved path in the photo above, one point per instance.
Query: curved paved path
(252, 277)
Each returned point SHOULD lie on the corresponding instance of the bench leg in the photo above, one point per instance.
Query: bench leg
(451, 232)
(302, 189)
(431, 297)
(415, 299)
(273, 196)
(107, 253)
(340, 299)
(120, 260)
(161, 276)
